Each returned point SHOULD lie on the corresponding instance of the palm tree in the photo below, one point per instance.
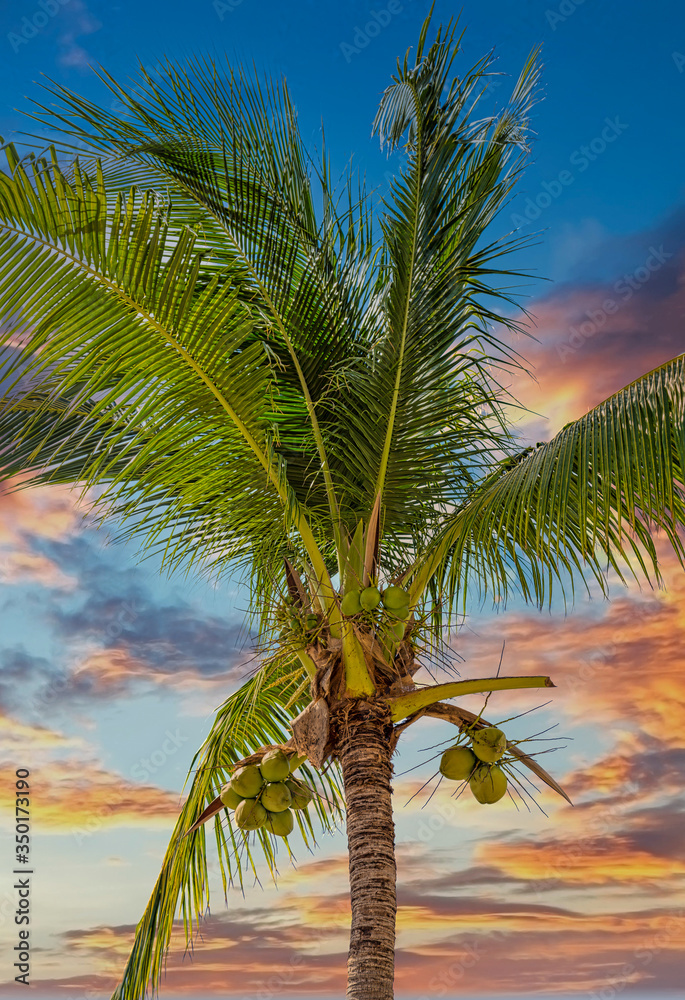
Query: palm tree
(256, 373)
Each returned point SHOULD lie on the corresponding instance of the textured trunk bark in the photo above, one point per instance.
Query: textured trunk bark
(364, 749)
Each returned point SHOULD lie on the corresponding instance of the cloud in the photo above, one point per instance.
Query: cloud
(116, 638)
(485, 948)
(617, 665)
(70, 52)
(28, 567)
(48, 512)
(18, 739)
(596, 336)
(82, 797)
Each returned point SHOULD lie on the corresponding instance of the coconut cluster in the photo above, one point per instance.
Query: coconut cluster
(477, 764)
(296, 622)
(264, 795)
(395, 601)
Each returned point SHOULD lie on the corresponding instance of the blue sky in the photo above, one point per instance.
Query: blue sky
(109, 672)
(603, 60)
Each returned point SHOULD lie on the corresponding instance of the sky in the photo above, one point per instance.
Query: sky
(110, 672)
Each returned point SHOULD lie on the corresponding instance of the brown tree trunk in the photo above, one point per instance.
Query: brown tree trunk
(363, 745)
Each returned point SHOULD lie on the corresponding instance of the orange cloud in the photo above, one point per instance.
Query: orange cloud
(614, 663)
(508, 949)
(82, 797)
(595, 861)
(47, 511)
(587, 349)
(108, 672)
(21, 567)
(18, 738)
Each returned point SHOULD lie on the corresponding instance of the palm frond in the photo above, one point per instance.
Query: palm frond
(252, 717)
(230, 145)
(113, 319)
(589, 500)
(420, 416)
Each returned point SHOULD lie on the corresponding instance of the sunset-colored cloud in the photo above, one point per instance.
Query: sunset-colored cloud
(620, 662)
(18, 738)
(22, 567)
(81, 796)
(49, 512)
(505, 949)
(116, 670)
(594, 338)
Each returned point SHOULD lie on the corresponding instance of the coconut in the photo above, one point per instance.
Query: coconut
(399, 614)
(276, 797)
(350, 603)
(296, 761)
(370, 598)
(312, 622)
(398, 629)
(457, 763)
(280, 823)
(250, 815)
(274, 766)
(230, 797)
(396, 599)
(489, 744)
(301, 795)
(488, 784)
(247, 781)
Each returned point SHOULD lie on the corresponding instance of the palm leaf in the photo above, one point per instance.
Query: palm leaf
(252, 717)
(589, 499)
(419, 415)
(112, 318)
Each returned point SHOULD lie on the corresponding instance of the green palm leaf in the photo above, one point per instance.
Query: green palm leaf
(252, 717)
(419, 415)
(589, 499)
(113, 317)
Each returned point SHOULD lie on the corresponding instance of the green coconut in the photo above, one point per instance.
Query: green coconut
(300, 794)
(295, 761)
(370, 598)
(488, 784)
(489, 744)
(230, 797)
(350, 603)
(396, 599)
(276, 797)
(398, 629)
(274, 766)
(250, 815)
(312, 622)
(457, 763)
(280, 823)
(247, 781)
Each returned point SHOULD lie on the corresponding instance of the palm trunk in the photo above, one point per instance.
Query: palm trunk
(364, 751)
